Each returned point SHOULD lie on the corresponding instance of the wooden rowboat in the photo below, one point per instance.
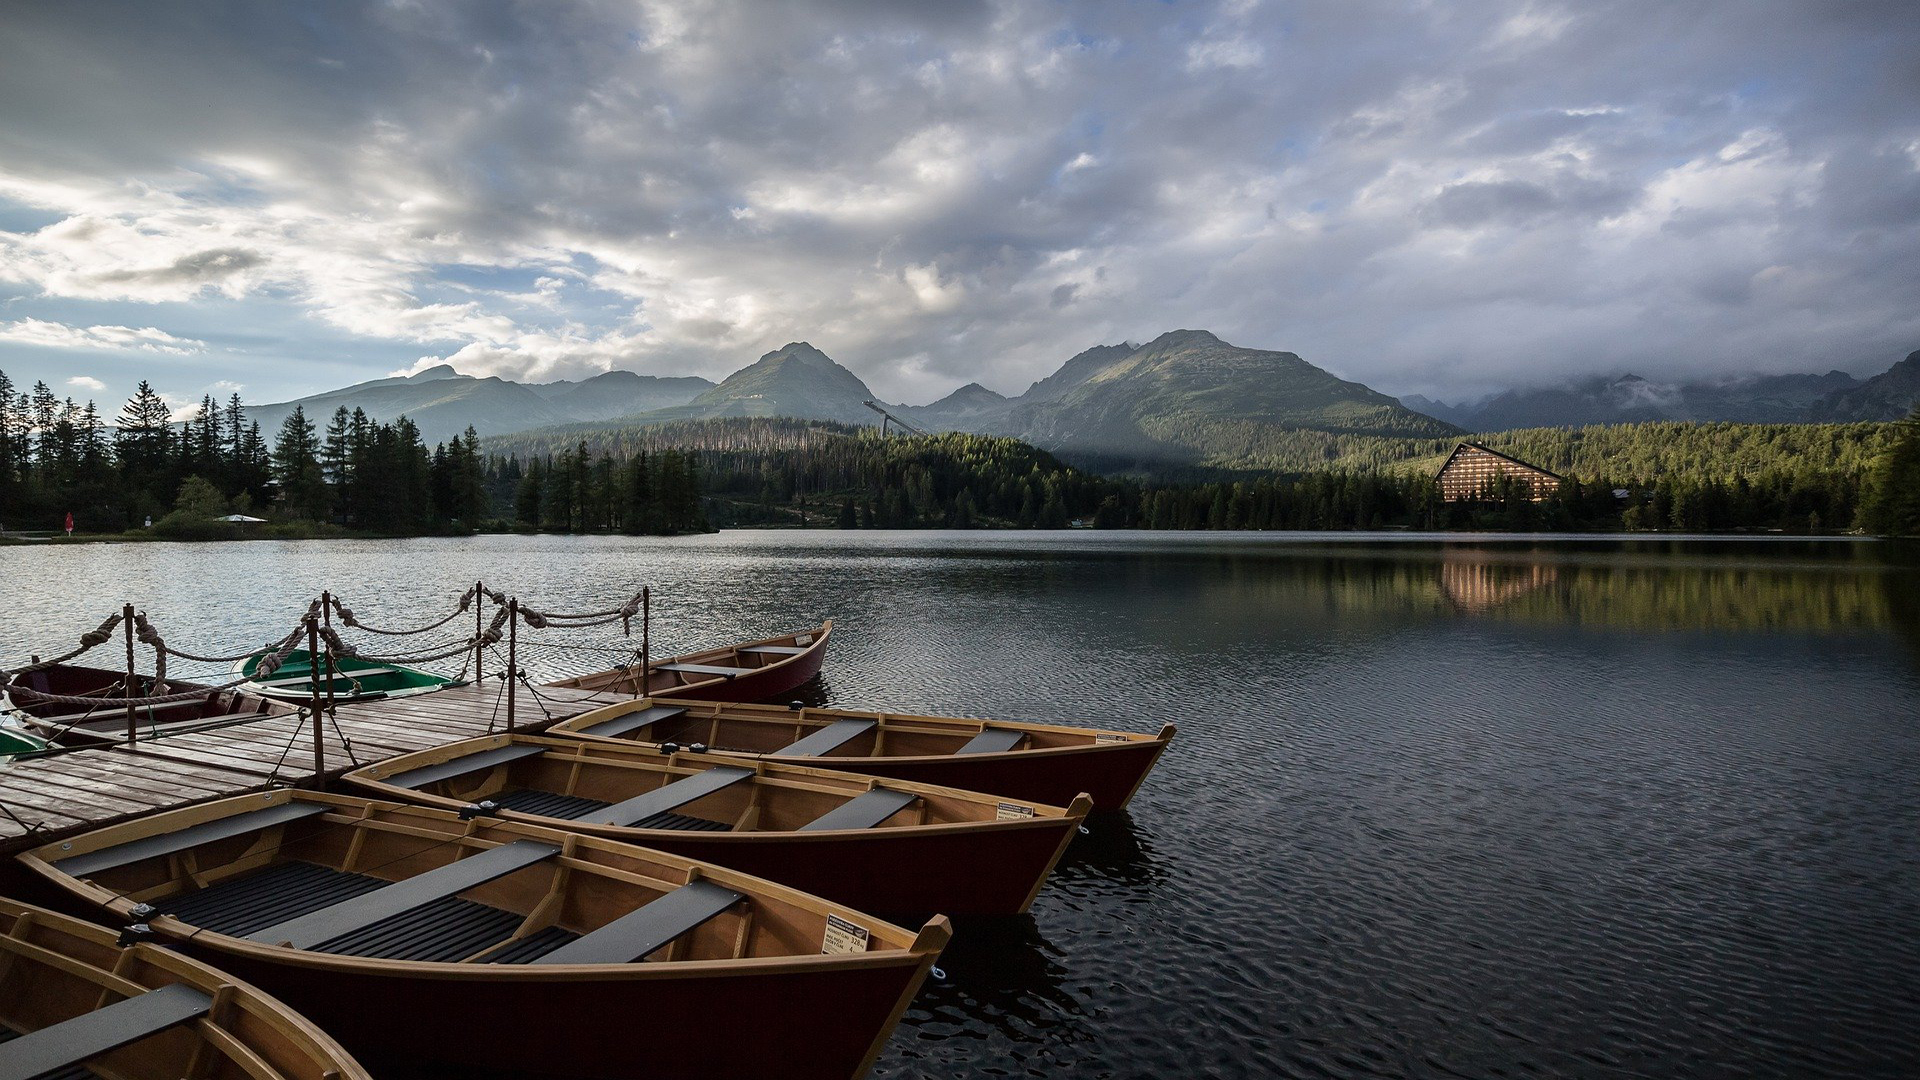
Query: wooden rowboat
(75, 1003)
(67, 724)
(750, 671)
(887, 846)
(1044, 763)
(353, 680)
(459, 946)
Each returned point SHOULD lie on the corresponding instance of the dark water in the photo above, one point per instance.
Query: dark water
(1478, 808)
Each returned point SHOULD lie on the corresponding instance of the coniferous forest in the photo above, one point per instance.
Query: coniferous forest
(350, 474)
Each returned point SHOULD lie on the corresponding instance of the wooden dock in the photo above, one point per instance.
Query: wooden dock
(50, 797)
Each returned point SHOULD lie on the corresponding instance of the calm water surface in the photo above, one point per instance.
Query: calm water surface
(1468, 807)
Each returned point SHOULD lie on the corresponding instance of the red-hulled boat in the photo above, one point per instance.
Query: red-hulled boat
(1045, 763)
(889, 846)
(763, 670)
(436, 945)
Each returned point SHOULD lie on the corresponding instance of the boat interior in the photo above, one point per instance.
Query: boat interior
(665, 676)
(641, 788)
(333, 874)
(68, 724)
(75, 1005)
(826, 733)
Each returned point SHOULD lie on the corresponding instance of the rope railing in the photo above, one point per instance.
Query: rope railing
(329, 647)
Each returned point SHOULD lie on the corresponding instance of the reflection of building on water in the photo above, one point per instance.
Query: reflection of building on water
(1472, 472)
(1474, 586)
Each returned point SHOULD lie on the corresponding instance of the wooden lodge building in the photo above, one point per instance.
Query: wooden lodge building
(1472, 471)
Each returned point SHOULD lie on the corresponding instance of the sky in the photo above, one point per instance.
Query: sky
(1446, 198)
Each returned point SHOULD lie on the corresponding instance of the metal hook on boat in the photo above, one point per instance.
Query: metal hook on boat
(1084, 831)
(133, 935)
(938, 972)
(483, 808)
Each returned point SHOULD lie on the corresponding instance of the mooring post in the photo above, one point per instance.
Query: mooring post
(133, 717)
(513, 654)
(313, 684)
(479, 601)
(646, 641)
(326, 619)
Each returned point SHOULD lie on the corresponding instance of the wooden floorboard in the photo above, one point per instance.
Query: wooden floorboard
(63, 794)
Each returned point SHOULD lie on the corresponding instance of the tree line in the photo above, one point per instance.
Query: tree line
(356, 473)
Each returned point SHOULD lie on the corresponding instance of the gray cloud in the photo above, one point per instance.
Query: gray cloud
(1443, 198)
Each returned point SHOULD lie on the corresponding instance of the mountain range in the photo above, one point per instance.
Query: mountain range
(1184, 398)
(1835, 397)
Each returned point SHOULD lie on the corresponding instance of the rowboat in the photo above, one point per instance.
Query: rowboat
(1044, 763)
(750, 671)
(75, 1003)
(353, 680)
(15, 741)
(66, 723)
(878, 845)
(427, 941)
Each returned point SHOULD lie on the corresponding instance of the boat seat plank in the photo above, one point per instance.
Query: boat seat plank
(662, 799)
(344, 673)
(775, 650)
(111, 712)
(633, 721)
(91, 1034)
(363, 911)
(193, 836)
(639, 932)
(704, 669)
(864, 812)
(831, 737)
(992, 741)
(485, 759)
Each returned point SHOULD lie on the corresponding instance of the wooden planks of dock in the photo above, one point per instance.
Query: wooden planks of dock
(46, 798)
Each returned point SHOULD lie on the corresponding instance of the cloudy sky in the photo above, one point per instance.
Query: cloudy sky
(1439, 197)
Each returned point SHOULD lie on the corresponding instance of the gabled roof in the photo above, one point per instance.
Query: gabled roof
(1504, 457)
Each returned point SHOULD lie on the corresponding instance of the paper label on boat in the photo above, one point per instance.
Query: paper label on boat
(1098, 739)
(843, 937)
(803, 639)
(1010, 812)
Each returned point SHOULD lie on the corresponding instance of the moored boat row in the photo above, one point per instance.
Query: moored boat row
(699, 864)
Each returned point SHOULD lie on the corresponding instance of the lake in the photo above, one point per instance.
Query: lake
(1439, 806)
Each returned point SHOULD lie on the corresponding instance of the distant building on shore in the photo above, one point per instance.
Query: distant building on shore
(1473, 470)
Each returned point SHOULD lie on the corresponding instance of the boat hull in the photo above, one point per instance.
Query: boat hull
(773, 681)
(764, 684)
(627, 1027)
(1110, 773)
(953, 870)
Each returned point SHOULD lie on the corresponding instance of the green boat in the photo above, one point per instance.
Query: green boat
(16, 741)
(353, 680)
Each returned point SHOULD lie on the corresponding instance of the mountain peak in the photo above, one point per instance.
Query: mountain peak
(437, 371)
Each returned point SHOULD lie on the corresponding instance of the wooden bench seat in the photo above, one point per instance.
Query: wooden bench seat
(993, 741)
(775, 650)
(364, 910)
(863, 812)
(831, 737)
(193, 836)
(662, 799)
(632, 721)
(88, 1035)
(703, 669)
(485, 759)
(110, 711)
(353, 673)
(641, 931)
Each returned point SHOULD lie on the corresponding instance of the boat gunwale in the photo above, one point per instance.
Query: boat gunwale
(1045, 815)
(922, 946)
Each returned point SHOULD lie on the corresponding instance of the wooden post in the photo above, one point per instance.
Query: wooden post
(326, 619)
(133, 717)
(513, 655)
(479, 600)
(313, 683)
(646, 638)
